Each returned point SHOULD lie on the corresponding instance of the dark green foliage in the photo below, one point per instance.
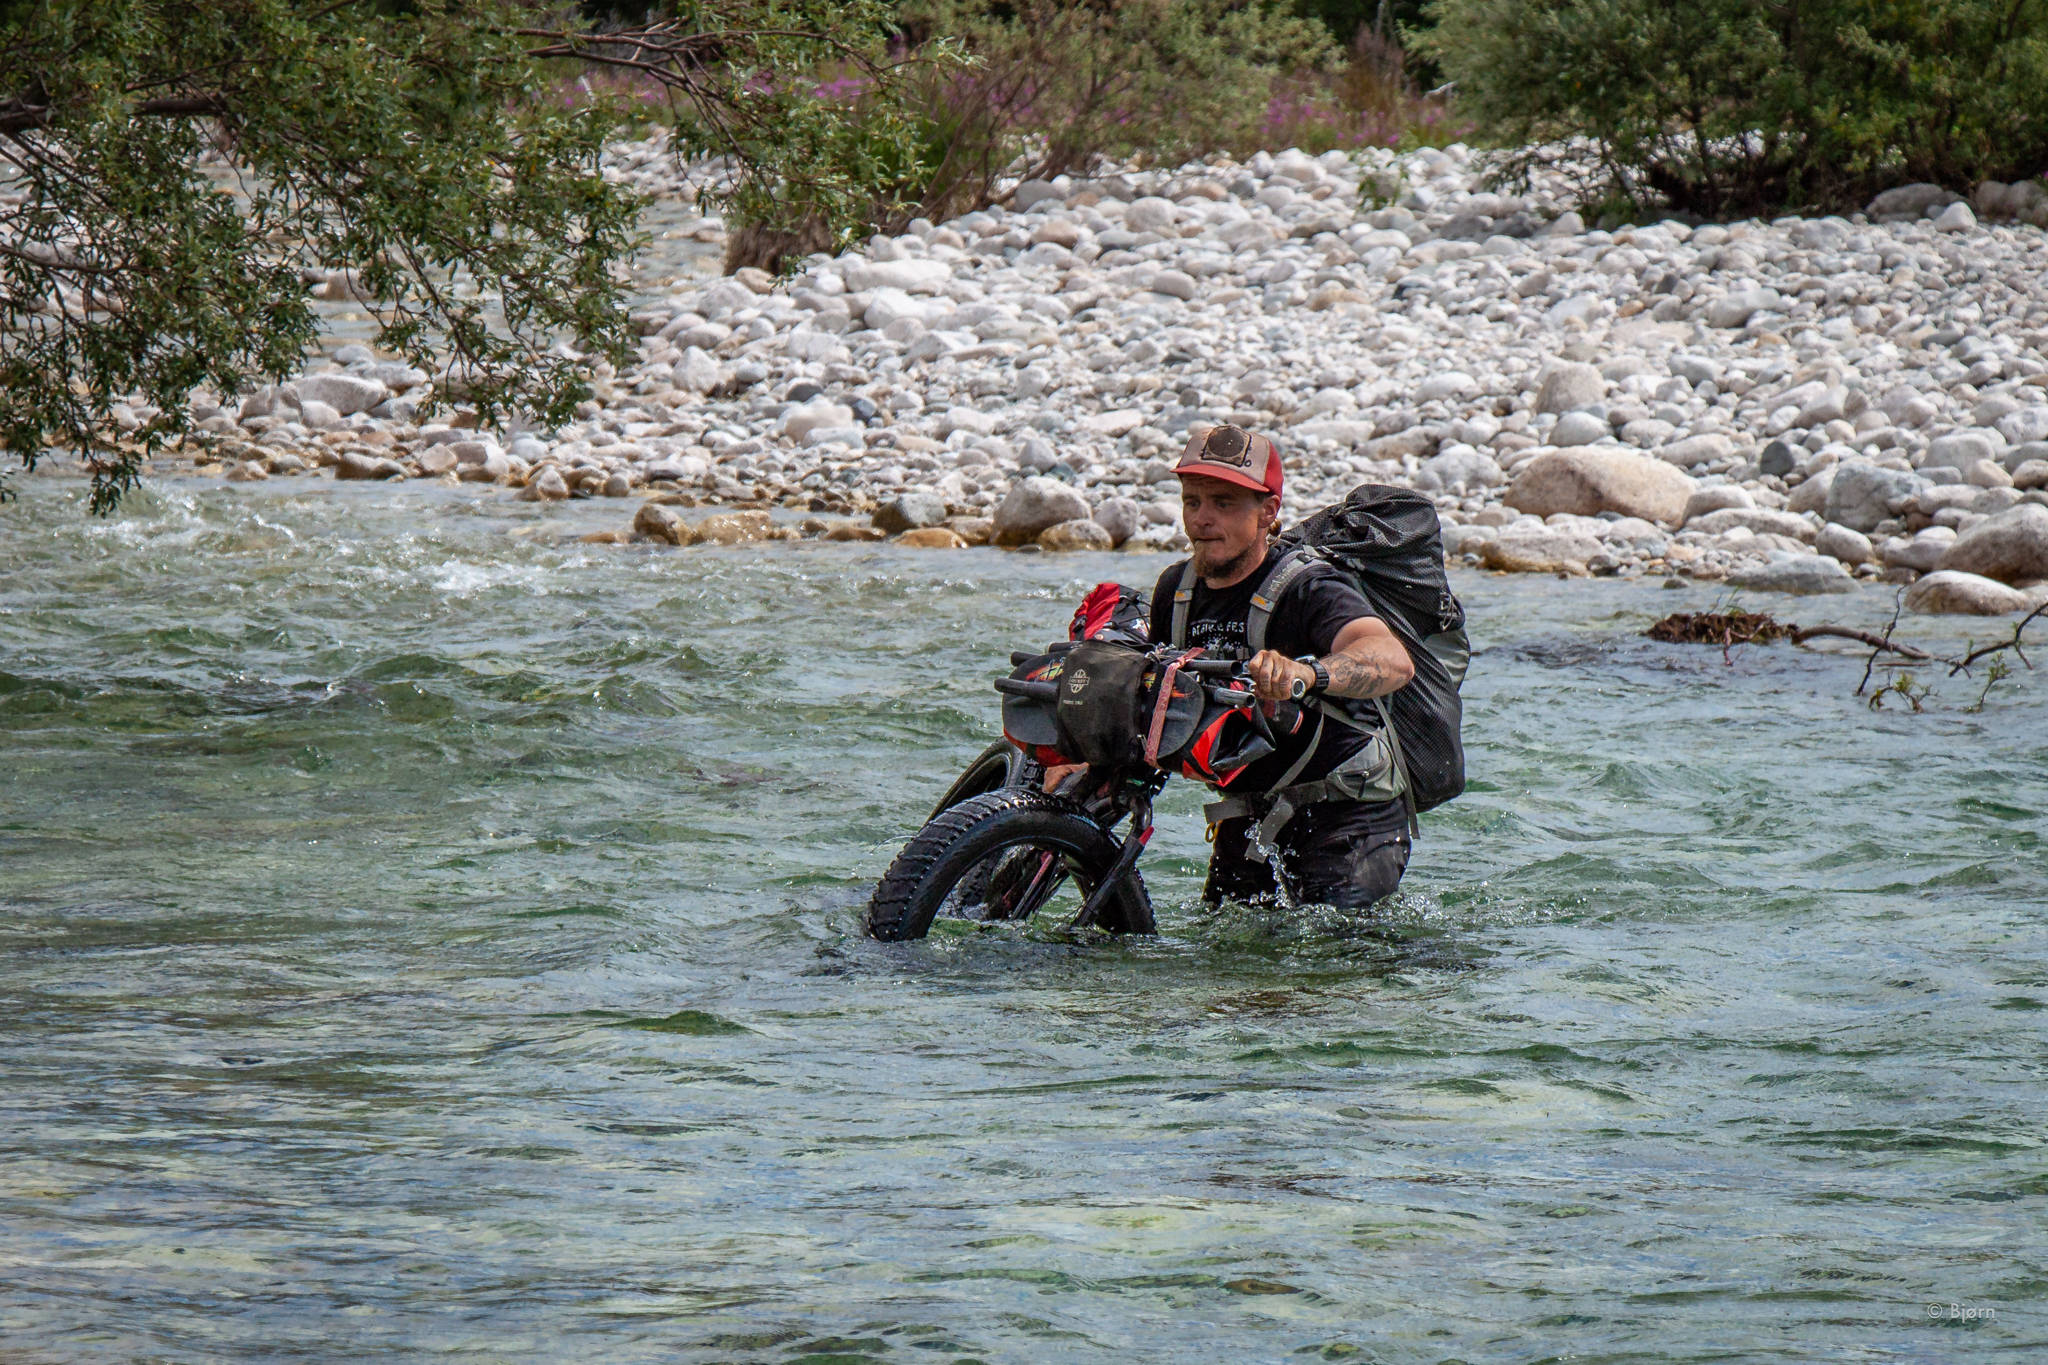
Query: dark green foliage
(1723, 108)
(402, 141)
(814, 101)
(1385, 20)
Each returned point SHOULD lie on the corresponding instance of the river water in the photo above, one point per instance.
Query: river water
(426, 936)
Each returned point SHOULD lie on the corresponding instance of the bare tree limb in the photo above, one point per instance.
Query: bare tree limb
(1962, 665)
(1878, 642)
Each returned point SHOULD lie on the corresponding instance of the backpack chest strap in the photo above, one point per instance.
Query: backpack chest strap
(1183, 603)
(1268, 595)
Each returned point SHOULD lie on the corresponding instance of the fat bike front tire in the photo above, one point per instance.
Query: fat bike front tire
(1003, 855)
(1001, 764)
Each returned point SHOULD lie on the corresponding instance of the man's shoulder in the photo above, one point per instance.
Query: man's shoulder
(1306, 569)
(1320, 578)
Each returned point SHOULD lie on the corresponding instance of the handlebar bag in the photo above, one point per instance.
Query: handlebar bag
(1099, 716)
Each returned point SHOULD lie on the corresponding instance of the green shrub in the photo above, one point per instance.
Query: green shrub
(1058, 83)
(1723, 108)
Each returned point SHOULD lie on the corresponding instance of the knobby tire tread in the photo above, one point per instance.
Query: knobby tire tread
(906, 899)
(992, 769)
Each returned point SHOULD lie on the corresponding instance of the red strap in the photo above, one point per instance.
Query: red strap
(1164, 701)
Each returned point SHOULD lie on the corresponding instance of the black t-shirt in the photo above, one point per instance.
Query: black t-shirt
(1317, 606)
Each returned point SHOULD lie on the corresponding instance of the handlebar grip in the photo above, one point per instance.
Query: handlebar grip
(1038, 691)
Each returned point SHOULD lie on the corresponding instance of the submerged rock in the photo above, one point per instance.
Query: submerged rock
(932, 538)
(351, 465)
(731, 528)
(661, 523)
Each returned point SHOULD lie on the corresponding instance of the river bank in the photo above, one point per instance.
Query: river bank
(1790, 405)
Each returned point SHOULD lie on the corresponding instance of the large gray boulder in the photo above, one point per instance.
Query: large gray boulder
(2011, 547)
(1863, 494)
(1761, 520)
(1796, 574)
(1527, 548)
(1812, 495)
(908, 511)
(1034, 505)
(1121, 517)
(345, 393)
(1949, 593)
(1589, 480)
(546, 486)
(1839, 542)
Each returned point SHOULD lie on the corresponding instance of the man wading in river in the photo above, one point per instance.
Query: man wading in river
(1301, 623)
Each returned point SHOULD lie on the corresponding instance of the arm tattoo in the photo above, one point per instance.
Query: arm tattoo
(1352, 676)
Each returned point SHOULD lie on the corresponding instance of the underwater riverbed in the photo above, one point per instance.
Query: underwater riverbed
(428, 936)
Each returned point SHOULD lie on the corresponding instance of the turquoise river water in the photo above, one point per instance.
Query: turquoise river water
(428, 937)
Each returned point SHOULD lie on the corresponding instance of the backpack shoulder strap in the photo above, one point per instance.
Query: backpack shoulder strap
(1290, 567)
(1183, 602)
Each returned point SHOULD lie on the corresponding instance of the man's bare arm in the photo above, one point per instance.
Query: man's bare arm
(1367, 660)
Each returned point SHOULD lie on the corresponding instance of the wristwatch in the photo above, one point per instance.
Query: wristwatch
(1322, 682)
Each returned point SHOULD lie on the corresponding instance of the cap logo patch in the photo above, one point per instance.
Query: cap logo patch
(1228, 445)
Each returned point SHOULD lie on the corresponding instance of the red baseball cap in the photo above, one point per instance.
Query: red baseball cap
(1233, 455)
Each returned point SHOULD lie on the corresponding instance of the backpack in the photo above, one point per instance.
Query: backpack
(1112, 611)
(1388, 542)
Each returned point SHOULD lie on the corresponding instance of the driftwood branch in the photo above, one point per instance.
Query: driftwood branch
(19, 115)
(1804, 633)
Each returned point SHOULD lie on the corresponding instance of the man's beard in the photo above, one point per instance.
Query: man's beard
(1208, 568)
